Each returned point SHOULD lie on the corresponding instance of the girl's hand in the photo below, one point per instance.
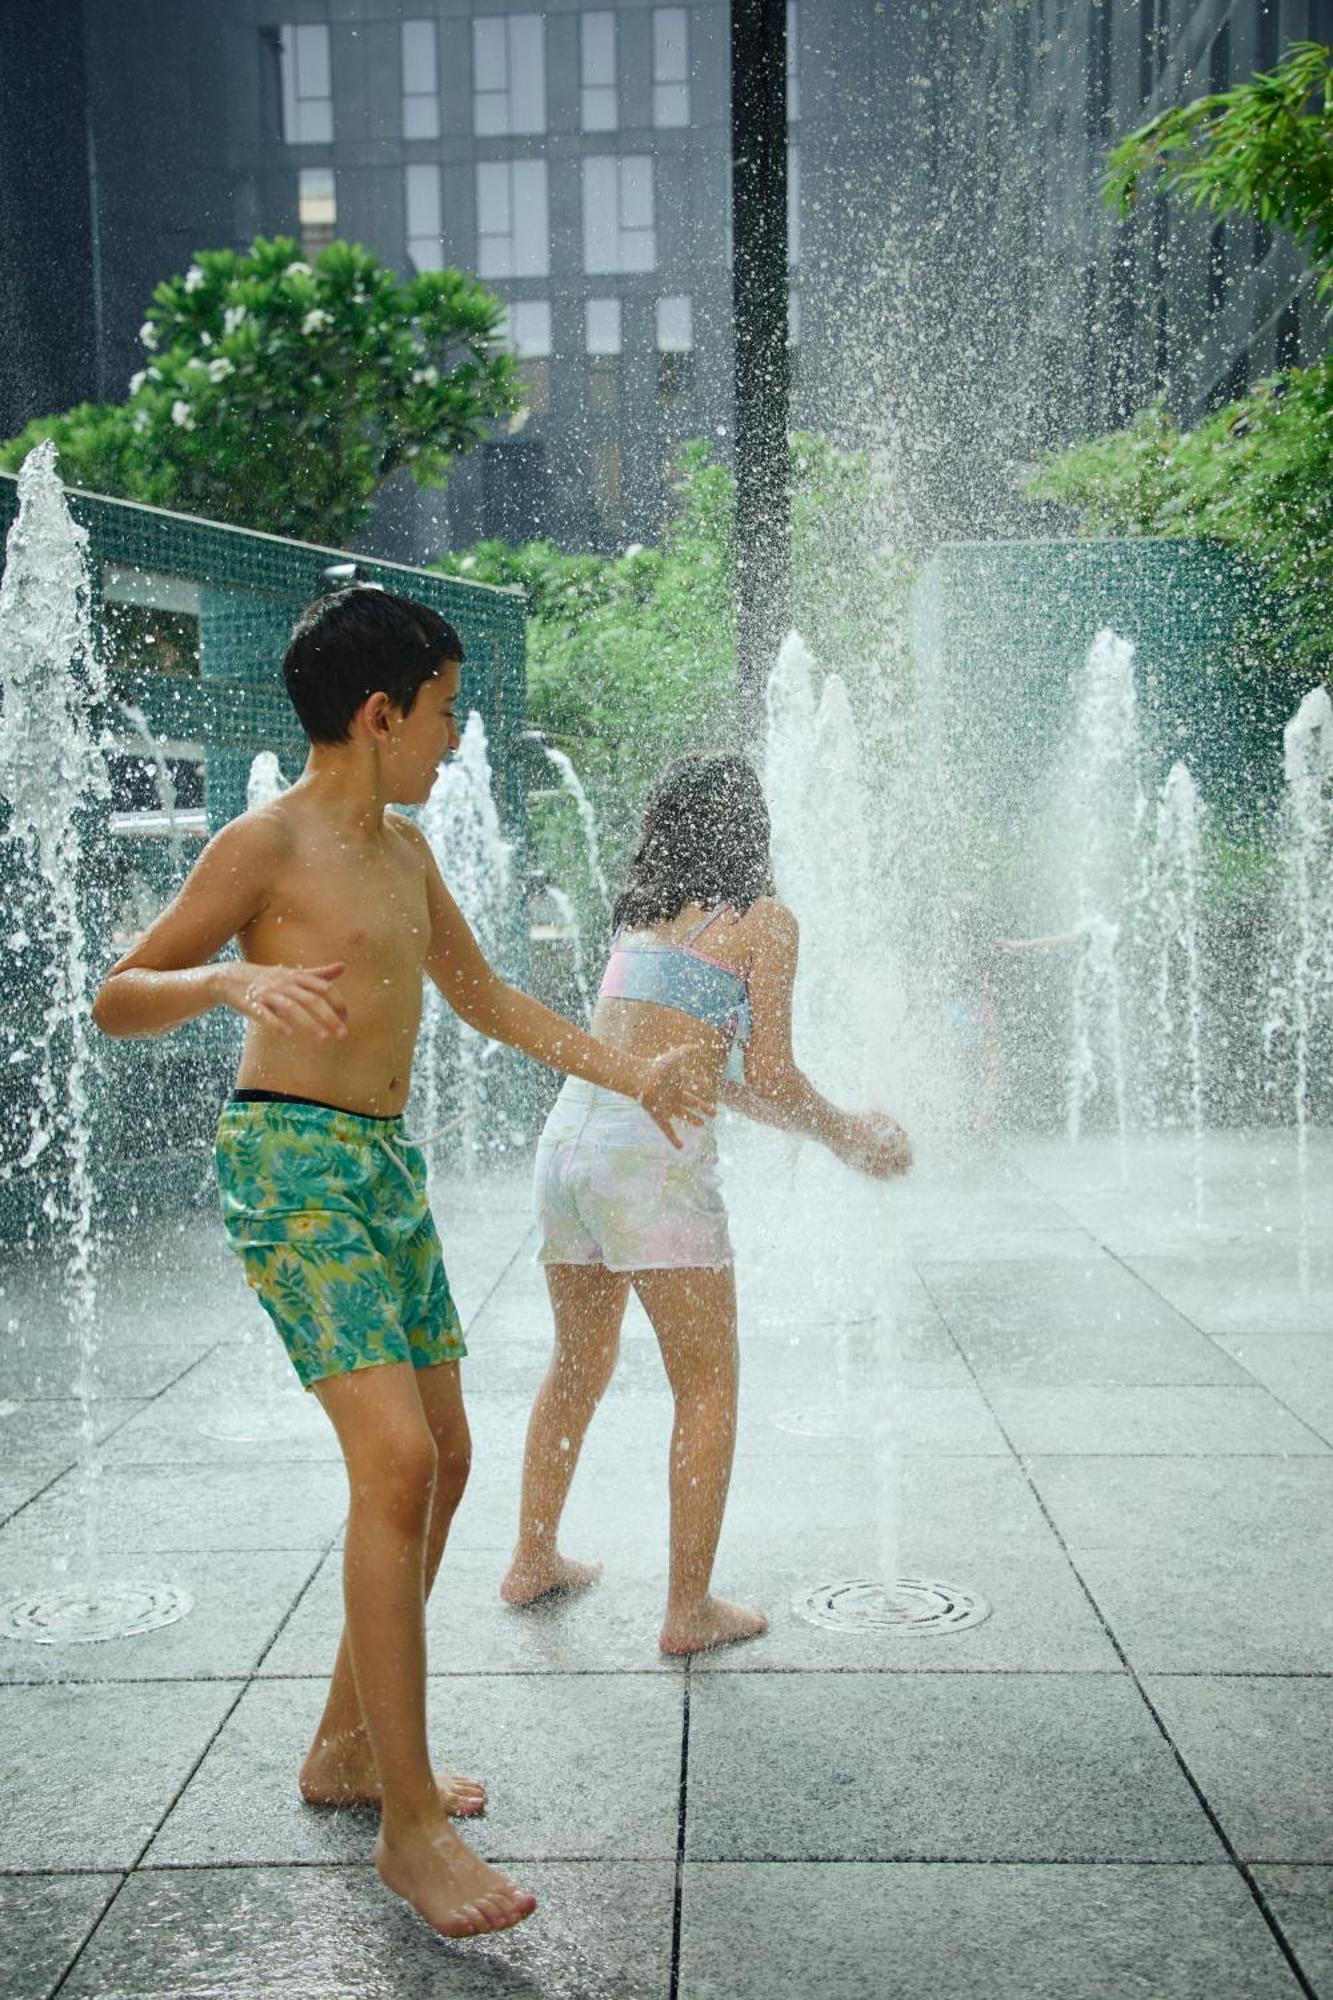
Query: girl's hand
(677, 1086)
(290, 997)
(875, 1144)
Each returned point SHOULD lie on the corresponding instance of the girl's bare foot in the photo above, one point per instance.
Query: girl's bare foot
(457, 1893)
(341, 1772)
(527, 1581)
(712, 1623)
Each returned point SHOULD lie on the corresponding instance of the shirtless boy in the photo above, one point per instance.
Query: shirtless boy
(339, 909)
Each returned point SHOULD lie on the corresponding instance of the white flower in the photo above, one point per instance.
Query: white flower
(141, 421)
(196, 361)
(468, 562)
(205, 337)
(219, 370)
(316, 320)
(634, 549)
(194, 277)
(298, 270)
(137, 381)
(180, 415)
(148, 335)
(430, 376)
(232, 318)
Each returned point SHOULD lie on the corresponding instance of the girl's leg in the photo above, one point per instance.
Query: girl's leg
(340, 1768)
(588, 1303)
(694, 1317)
(391, 1463)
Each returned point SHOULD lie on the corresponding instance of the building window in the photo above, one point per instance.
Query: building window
(618, 231)
(508, 75)
(793, 337)
(513, 233)
(793, 205)
(675, 350)
(317, 208)
(307, 85)
(607, 488)
(602, 343)
(528, 331)
(671, 66)
(421, 81)
(425, 216)
(597, 72)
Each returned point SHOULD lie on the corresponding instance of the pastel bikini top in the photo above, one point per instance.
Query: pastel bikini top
(642, 967)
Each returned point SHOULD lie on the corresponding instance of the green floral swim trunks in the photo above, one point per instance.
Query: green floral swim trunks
(328, 1214)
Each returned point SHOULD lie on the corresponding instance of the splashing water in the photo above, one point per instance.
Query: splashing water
(1301, 983)
(1100, 812)
(163, 783)
(265, 782)
(1172, 918)
(569, 918)
(51, 770)
(573, 784)
(462, 824)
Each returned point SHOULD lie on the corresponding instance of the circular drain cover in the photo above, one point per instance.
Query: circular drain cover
(79, 1615)
(913, 1606)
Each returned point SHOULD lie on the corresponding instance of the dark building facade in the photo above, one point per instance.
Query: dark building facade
(960, 300)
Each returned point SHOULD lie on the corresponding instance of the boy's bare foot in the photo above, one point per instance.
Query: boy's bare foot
(342, 1773)
(714, 1623)
(526, 1582)
(456, 1892)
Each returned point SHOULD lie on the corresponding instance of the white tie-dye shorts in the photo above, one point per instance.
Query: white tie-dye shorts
(611, 1190)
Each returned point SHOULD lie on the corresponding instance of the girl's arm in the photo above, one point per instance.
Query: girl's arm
(671, 1086)
(168, 977)
(776, 1091)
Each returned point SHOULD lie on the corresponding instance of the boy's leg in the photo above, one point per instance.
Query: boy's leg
(694, 1317)
(339, 1768)
(588, 1304)
(391, 1467)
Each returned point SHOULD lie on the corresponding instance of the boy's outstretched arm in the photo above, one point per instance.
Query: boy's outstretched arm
(168, 976)
(670, 1086)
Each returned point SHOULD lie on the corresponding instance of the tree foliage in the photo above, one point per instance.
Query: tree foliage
(1264, 149)
(282, 395)
(1257, 473)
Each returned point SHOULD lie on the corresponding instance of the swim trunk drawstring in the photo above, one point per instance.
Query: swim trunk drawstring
(418, 1145)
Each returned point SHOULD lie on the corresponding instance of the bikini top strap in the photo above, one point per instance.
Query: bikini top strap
(699, 929)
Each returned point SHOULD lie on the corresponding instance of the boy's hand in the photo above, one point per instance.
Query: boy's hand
(877, 1145)
(679, 1086)
(288, 997)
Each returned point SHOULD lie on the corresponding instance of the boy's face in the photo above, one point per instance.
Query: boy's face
(422, 739)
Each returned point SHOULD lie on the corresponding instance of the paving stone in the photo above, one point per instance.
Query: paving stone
(161, 1508)
(1183, 1609)
(1261, 1750)
(239, 1603)
(43, 1920)
(1296, 1367)
(92, 1770)
(1302, 1901)
(602, 1931)
(936, 1500)
(50, 1434)
(847, 1931)
(1247, 1288)
(611, 1628)
(962, 1767)
(1161, 1422)
(17, 1488)
(578, 1766)
(1211, 1506)
(38, 1369)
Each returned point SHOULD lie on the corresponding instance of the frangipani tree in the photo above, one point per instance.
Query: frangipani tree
(281, 394)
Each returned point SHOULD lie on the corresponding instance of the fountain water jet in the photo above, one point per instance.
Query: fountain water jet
(573, 784)
(265, 782)
(51, 772)
(1171, 900)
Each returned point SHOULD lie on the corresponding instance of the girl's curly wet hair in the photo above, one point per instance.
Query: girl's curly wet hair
(705, 839)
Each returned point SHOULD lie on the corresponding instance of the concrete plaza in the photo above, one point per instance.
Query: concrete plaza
(1115, 1423)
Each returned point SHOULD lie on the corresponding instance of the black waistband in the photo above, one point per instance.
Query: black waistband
(318, 1103)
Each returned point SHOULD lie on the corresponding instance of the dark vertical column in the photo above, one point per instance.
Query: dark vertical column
(759, 313)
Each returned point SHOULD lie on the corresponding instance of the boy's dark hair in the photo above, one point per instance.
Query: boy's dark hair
(357, 642)
(705, 839)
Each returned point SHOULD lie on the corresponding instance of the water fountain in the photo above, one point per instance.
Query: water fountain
(1301, 982)
(265, 782)
(849, 1010)
(462, 824)
(52, 771)
(1172, 921)
(573, 785)
(163, 783)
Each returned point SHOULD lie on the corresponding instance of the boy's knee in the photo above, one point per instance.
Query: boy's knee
(454, 1466)
(398, 1477)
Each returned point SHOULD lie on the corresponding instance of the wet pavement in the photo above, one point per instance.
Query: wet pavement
(1111, 1421)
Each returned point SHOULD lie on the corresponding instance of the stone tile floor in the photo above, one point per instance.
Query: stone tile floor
(1110, 1418)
